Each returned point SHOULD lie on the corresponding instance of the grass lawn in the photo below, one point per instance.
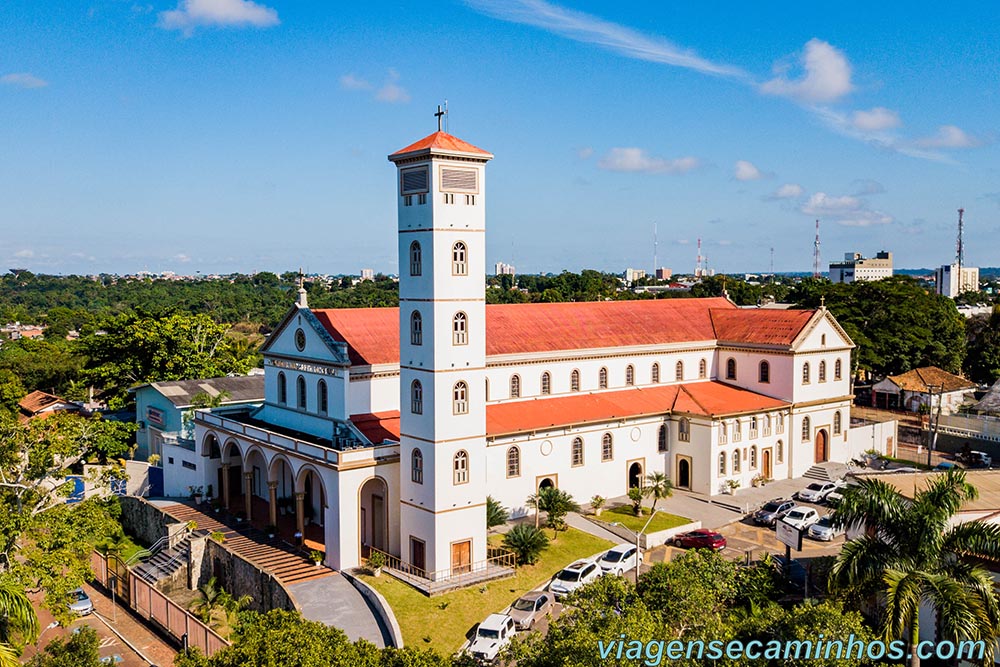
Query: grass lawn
(130, 548)
(623, 515)
(442, 622)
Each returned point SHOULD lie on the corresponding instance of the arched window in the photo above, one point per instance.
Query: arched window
(806, 429)
(416, 397)
(780, 419)
(515, 386)
(767, 424)
(805, 373)
(780, 451)
(602, 379)
(822, 371)
(753, 458)
(459, 259)
(416, 261)
(513, 462)
(459, 329)
(837, 369)
(730, 369)
(416, 328)
(300, 392)
(322, 397)
(654, 376)
(702, 369)
(736, 461)
(630, 375)
(461, 467)
(723, 432)
(574, 381)
(837, 424)
(753, 426)
(546, 383)
(684, 430)
(722, 463)
(737, 430)
(607, 447)
(661, 439)
(460, 399)
(577, 452)
(417, 467)
(679, 371)
(282, 389)
(764, 375)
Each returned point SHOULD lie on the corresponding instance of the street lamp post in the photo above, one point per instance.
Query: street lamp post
(53, 624)
(637, 536)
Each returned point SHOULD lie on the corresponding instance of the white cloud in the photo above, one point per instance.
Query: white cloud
(747, 171)
(827, 75)
(844, 210)
(867, 186)
(351, 82)
(583, 27)
(875, 119)
(788, 191)
(948, 136)
(391, 91)
(637, 160)
(882, 139)
(584, 153)
(682, 242)
(23, 80)
(182, 258)
(190, 14)
(24, 254)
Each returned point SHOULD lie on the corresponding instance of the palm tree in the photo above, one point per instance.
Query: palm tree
(527, 543)
(911, 555)
(657, 486)
(211, 599)
(16, 616)
(556, 504)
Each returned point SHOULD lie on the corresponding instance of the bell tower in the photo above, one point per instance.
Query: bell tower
(441, 185)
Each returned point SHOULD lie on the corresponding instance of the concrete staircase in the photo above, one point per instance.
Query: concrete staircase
(271, 555)
(827, 472)
(166, 562)
(818, 473)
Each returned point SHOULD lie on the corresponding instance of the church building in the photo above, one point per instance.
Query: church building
(387, 428)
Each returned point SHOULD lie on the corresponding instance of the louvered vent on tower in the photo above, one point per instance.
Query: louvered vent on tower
(414, 181)
(459, 180)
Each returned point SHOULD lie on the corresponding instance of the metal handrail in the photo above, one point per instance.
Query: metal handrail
(154, 548)
(500, 558)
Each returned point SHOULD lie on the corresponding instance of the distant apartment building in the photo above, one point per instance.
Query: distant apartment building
(502, 269)
(664, 273)
(950, 280)
(857, 267)
(367, 274)
(632, 275)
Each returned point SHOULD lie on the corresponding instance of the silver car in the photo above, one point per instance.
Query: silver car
(529, 608)
(823, 530)
(573, 577)
(620, 559)
(81, 603)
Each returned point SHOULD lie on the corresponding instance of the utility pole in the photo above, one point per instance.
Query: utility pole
(816, 253)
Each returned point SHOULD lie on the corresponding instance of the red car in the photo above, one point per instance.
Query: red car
(700, 539)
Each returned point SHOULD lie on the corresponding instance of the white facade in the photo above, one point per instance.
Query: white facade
(856, 267)
(400, 453)
(950, 280)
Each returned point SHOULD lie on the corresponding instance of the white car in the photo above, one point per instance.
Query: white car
(620, 559)
(823, 530)
(492, 636)
(578, 574)
(817, 491)
(801, 517)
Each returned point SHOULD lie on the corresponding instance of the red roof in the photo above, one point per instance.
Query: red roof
(765, 327)
(378, 426)
(372, 334)
(442, 141)
(707, 399)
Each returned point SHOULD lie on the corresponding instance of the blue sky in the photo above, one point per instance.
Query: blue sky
(228, 135)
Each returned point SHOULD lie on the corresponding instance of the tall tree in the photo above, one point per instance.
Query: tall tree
(136, 349)
(983, 360)
(17, 621)
(912, 554)
(658, 487)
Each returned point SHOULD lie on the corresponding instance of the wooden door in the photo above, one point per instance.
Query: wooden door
(821, 453)
(765, 463)
(461, 557)
(378, 523)
(418, 554)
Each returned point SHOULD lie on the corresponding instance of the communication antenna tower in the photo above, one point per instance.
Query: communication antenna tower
(816, 253)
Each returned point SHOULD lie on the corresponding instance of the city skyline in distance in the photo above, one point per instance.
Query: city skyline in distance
(254, 138)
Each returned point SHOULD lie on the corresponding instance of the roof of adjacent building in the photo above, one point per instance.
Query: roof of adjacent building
(703, 399)
(442, 141)
(987, 483)
(990, 403)
(239, 389)
(39, 401)
(372, 334)
(919, 379)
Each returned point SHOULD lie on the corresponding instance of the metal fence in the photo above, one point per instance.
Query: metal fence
(151, 605)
